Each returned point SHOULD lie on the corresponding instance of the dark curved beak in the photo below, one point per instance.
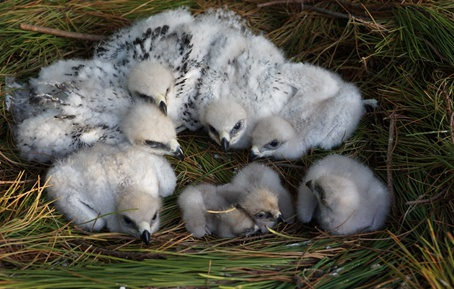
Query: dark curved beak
(146, 237)
(280, 219)
(163, 107)
(175, 150)
(253, 156)
(309, 185)
(179, 154)
(225, 144)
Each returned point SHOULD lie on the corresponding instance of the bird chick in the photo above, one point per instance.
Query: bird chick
(206, 212)
(142, 124)
(85, 105)
(118, 187)
(242, 86)
(343, 196)
(257, 175)
(212, 56)
(261, 205)
(309, 121)
(226, 123)
(145, 125)
(153, 80)
(138, 214)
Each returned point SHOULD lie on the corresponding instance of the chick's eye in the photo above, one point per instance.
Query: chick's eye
(260, 215)
(127, 220)
(213, 130)
(151, 144)
(274, 144)
(155, 217)
(321, 193)
(249, 231)
(238, 126)
(155, 144)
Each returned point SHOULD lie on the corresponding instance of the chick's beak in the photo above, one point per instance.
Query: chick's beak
(225, 140)
(161, 102)
(280, 219)
(163, 107)
(310, 185)
(255, 153)
(176, 149)
(144, 231)
(179, 154)
(145, 236)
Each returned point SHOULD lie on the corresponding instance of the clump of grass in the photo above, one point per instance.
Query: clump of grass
(399, 53)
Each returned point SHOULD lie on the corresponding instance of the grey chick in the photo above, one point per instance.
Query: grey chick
(115, 186)
(206, 212)
(257, 175)
(323, 123)
(343, 196)
(262, 206)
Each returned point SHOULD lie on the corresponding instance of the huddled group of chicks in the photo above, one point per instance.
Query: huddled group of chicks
(106, 123)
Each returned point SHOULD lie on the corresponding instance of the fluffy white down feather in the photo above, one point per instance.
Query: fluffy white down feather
(71, 104)
(343, 196)
(212, 56)
(82, 102)
(102, 185)
(196, 63)
(322, 116)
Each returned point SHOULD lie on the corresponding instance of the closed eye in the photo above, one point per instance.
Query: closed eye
(321, 194)
(213, 130)
(155, 217)
(155, 144)
(142, 95)
(127, 220)
(249, 231)
(263, 215)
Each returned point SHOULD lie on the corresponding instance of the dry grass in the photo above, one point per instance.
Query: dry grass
(399, 53)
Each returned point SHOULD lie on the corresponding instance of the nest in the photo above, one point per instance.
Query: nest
(398, 52)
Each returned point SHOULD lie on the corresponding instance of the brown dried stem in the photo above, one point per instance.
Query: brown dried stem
(389, 156)
(61, 33)
(124, 255)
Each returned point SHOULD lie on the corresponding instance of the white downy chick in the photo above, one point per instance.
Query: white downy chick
(146, 126)
(343, 196)
(310, 120)
(49, 135)
(242, 85)
(155, 81)
(118, 187)
(227, 129)
(74, 104)
(167, 38)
